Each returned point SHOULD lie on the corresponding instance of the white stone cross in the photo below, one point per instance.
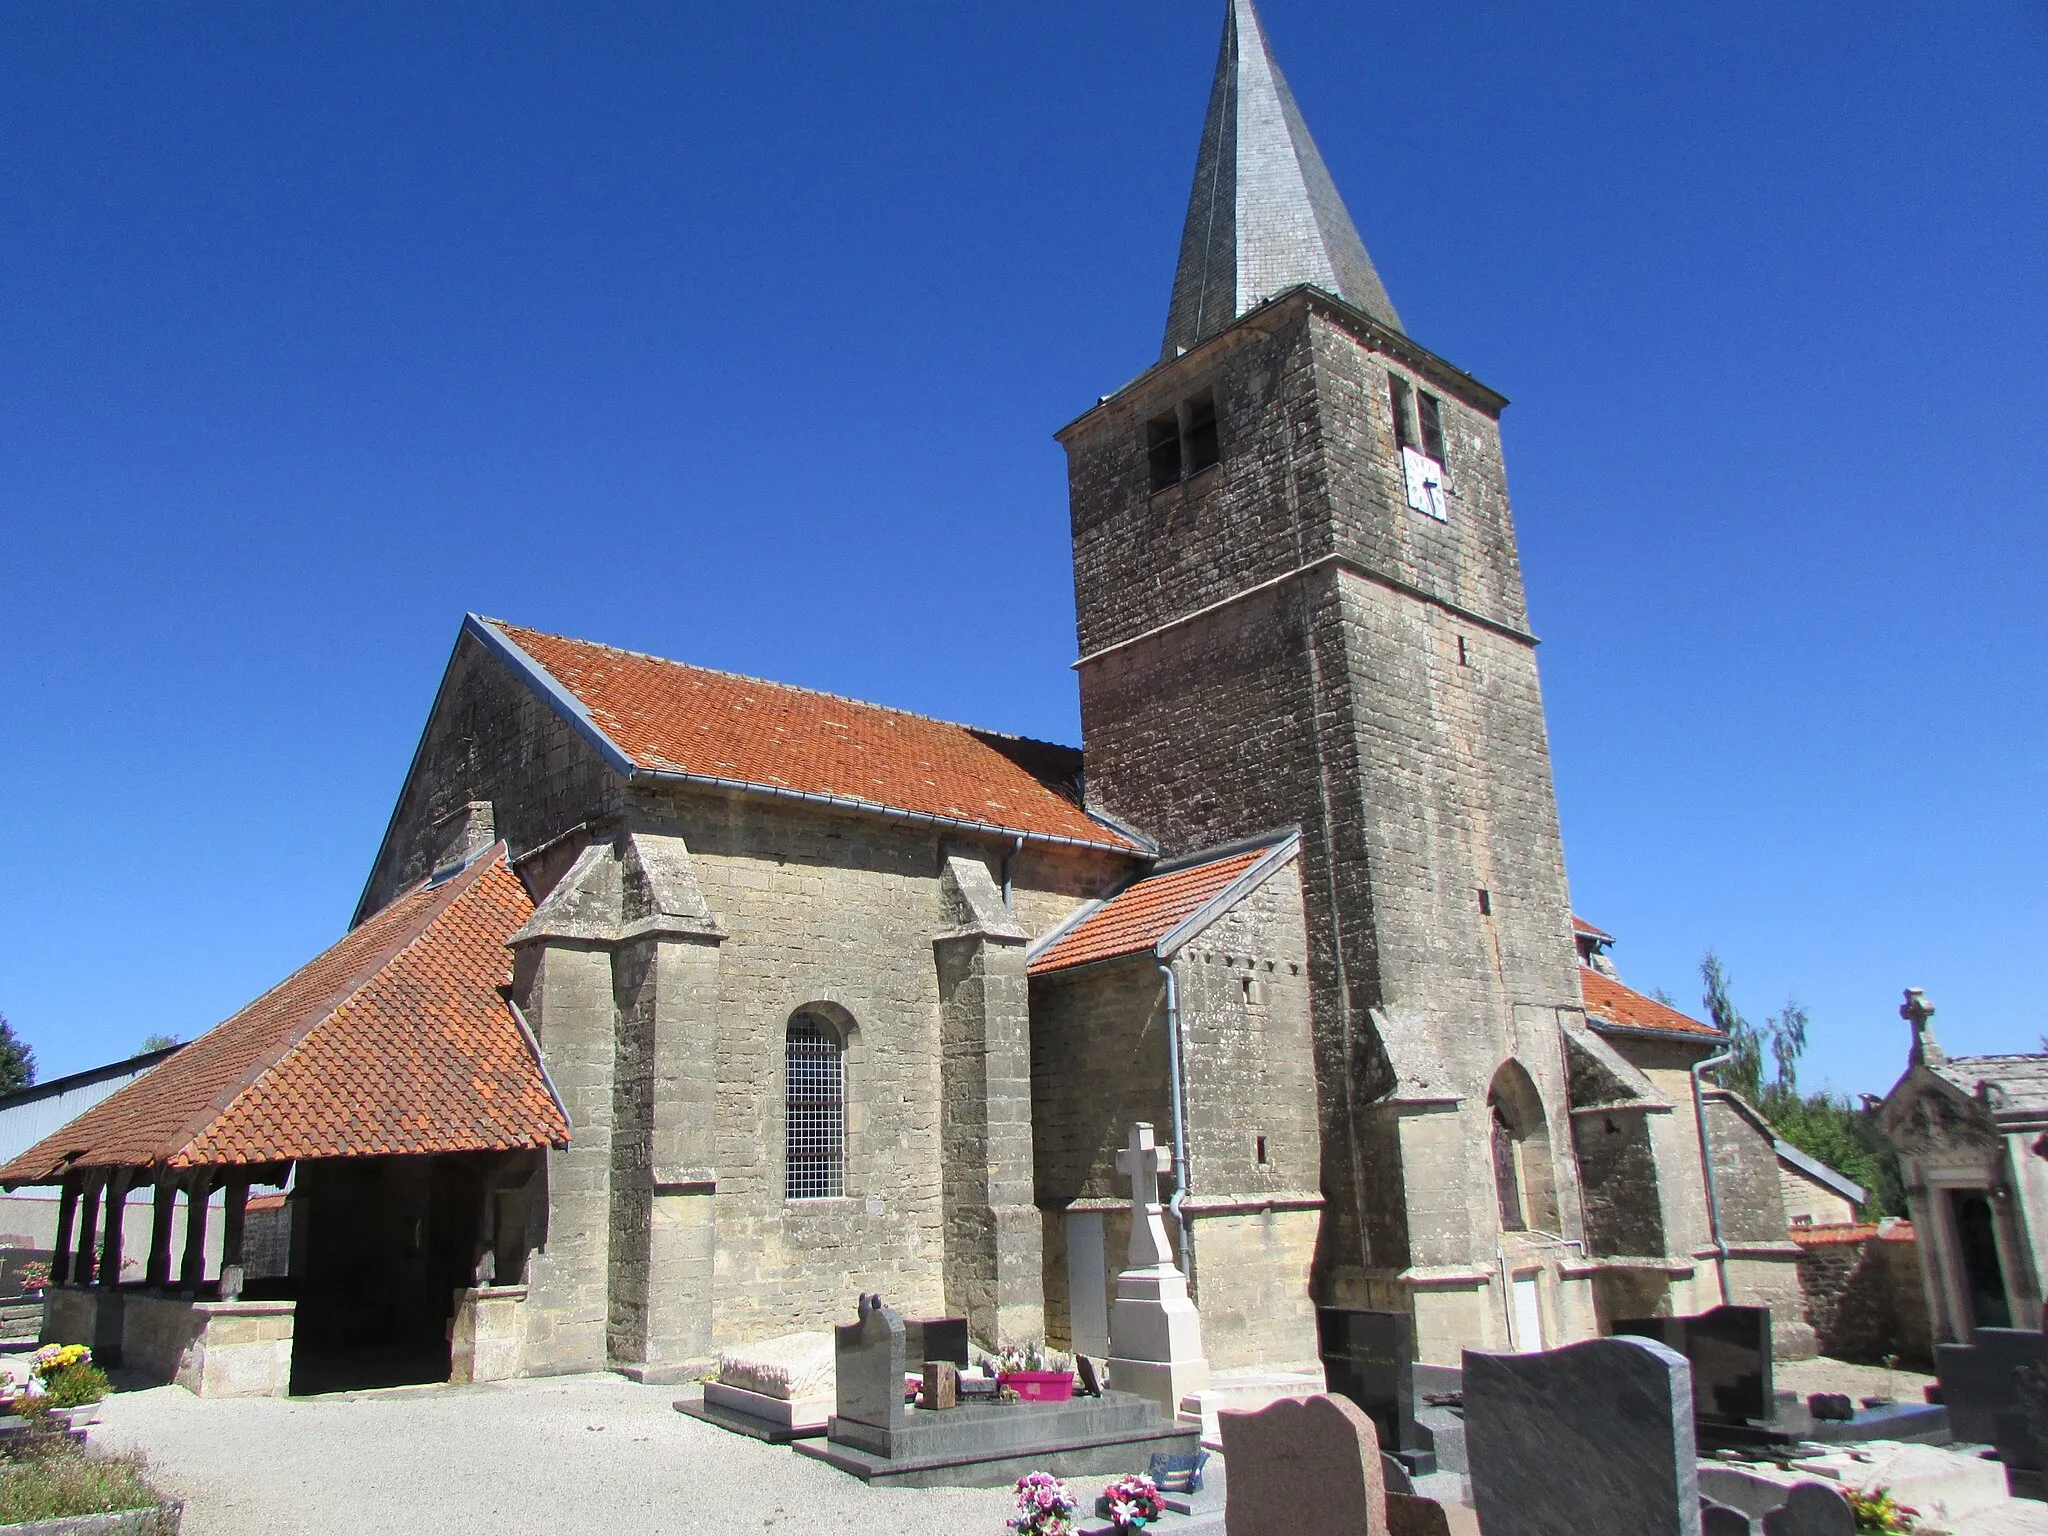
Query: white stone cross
(1142, 1162)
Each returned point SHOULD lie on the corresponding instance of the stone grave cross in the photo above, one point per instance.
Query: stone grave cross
(1155, 1335)
(1142, 1162)
(1919, 1013)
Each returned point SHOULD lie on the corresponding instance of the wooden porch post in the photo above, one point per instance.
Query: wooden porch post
(83, 1268)
(67, 1222)
(158, 1274)
(198, 1190)
(234, 1219)
(110, 1242)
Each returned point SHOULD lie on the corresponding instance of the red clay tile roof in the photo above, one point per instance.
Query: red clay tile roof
(1824, 1236)
(1608, 999)
(669, 717)
(1580, 925)
(395, 1040)
(1142, 914)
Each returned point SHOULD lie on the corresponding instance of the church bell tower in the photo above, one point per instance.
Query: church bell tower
(1300, 603)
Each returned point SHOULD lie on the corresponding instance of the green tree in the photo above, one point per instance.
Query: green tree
(1823, 1125)
(17, 1061)
(160, 1042)
(1745, 1074)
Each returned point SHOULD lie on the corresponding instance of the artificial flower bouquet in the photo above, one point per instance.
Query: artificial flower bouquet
(67, 1377)
(1045, 1506)
(1130, 1503)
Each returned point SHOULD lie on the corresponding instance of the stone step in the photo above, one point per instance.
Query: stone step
(1244, 1391)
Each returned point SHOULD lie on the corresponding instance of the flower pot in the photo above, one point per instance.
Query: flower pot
(1040, 1386)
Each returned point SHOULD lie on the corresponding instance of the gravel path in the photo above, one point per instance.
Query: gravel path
(557, 1457)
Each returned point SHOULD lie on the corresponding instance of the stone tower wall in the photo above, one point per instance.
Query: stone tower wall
(1277, 640)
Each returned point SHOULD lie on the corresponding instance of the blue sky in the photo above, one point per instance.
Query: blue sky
(738, 334)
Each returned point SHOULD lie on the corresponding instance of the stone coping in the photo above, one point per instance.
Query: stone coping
(1203, 1205)
(150, 1521)
(1585, 1268)
(496, 1292)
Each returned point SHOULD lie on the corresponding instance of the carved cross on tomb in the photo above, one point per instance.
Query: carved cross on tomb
(1917, 1011)
(1142, 1162)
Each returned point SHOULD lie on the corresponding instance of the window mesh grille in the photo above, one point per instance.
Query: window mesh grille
(817, 1113)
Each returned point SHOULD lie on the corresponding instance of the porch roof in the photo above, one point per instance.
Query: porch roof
(398, 1039)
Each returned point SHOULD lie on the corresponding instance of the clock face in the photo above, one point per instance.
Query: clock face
(1425, 483)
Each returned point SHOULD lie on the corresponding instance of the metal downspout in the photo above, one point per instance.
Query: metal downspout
(1182, 1219)
(1699, 1112)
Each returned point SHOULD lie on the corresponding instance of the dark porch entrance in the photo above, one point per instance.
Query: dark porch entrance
(380, 1247)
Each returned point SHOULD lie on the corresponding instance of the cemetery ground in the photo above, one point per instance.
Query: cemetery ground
(589, 1455)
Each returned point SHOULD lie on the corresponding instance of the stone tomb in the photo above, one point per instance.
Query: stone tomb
(1591, 1438)
(776, 1390)
(879, 1438)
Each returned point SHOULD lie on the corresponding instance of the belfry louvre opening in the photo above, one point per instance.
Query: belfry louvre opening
(815, 1072)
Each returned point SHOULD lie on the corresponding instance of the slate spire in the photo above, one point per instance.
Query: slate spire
(1265, 214)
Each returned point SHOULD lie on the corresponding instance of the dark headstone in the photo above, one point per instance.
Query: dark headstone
(936, 1338)
(14, 1262)
(1303, 1467)
(1812, 1509)
(1369, 1357)
(1830, 1405)
(869, 1356)
(1720, 1520)
(941, 1385)
(1398, 1480)
(1730, 1352)
(1091, 1379)
(1408, 1515)
(1593, 1437)
(1980, 1383)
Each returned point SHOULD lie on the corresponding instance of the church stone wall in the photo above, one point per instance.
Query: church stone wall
(1099, 1065)
(489, 737)
(842, 911)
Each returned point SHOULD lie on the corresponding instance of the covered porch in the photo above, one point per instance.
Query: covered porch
(392, 1088)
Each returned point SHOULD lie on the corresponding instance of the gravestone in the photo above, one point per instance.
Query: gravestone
(1594, 1437)
(1091, 1382)
(1811, 1509)
(1730, 1352)
(1303, 1467)
(14, 1262)
(1980, 1383)
(869, 1356)
(941, 1386)
(936, 1338)
(1369, 1357)
(1719, 1520)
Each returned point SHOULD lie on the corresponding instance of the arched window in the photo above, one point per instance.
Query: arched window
(814, 1070)
(1521, 1152)
(1507, 1175)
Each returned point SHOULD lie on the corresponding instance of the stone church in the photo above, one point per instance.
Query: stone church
(681, 1008)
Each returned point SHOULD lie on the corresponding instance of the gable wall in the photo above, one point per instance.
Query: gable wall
(489, 737)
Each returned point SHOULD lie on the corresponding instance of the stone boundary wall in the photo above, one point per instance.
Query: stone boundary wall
(1865, 1295)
